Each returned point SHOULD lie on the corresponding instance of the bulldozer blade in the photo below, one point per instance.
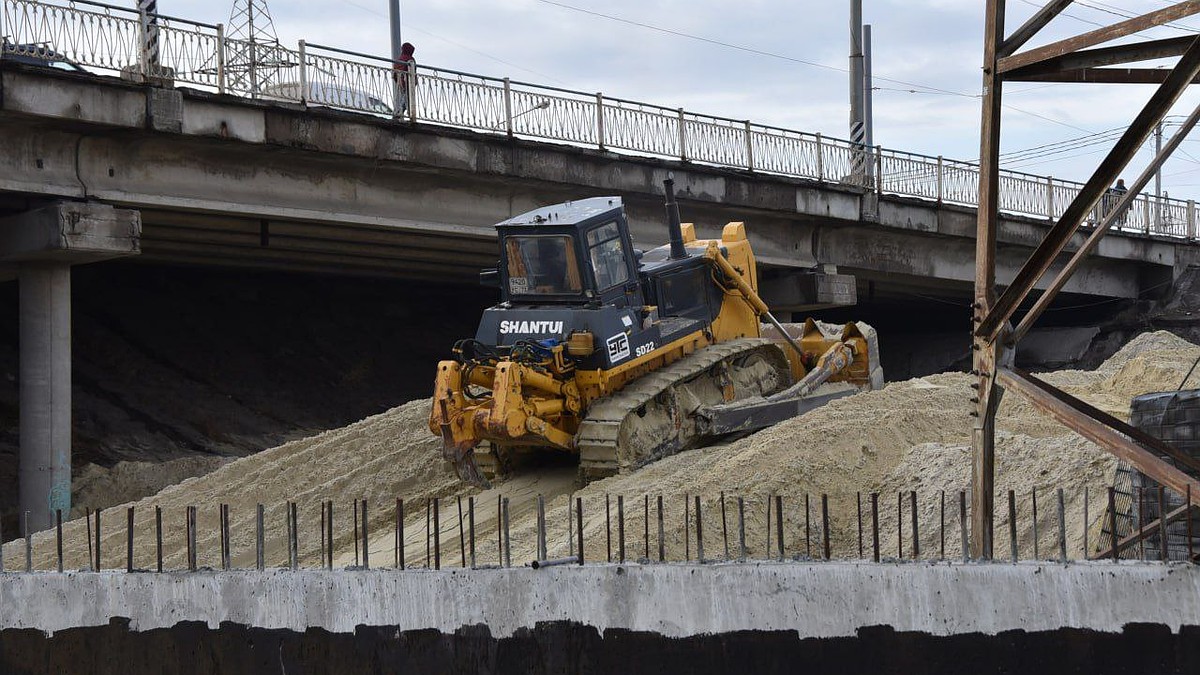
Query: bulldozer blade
(468, 470)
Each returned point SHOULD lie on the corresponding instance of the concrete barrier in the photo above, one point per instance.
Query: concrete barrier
(675, 601)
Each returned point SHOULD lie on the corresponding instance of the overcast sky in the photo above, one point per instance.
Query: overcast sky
(785, 64)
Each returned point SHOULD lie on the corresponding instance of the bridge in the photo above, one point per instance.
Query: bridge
(309, 167)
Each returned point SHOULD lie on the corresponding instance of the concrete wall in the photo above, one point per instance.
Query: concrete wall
(676, 601)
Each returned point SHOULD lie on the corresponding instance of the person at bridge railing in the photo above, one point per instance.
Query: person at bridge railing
(400, 74)
(1112, 196)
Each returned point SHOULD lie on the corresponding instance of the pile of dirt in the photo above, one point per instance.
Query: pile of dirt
(908, 436)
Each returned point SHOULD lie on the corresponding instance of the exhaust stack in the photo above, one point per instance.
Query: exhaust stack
(674, 225)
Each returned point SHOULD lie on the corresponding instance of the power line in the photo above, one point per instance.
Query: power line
(456, 44)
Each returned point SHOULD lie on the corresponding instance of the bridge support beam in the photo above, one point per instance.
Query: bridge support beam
(42, 245)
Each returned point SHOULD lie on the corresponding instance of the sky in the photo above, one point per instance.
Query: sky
(776, 62)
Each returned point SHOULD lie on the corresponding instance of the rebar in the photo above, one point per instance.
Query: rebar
(1112, 523)
(462, 537)
(942, 525)
(858, 505)
(916, 540)
(1033, 506)
(259, 535)
(1062, 527)
(579, 525)
(1162, 530)
(875, 526)
(825, 526)
(779, 525)
(662, 542)
(158, 538)
(724, 527)
(437, 535)
(541, 527)
(699, 533)
(608, 525)
(962, 524)
(621, 527)
(741, 529)
(471, 527)
(366, 538)
(57, 539)
(507, 537)
(1012, 525)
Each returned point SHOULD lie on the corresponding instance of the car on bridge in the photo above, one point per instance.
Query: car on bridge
(38, 55)
(332, 95)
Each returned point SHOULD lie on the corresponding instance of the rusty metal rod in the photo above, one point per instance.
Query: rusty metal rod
(900, 525)
(99, 560)
(57, 538)
(916, 539)
(724, 527)
(1036, 550)
(741, 529)
(662, 542)
(28, 545)
(767, 550)
(569, 560)
(295, 540)
(507, 536)
(962, 524)
(541, 527)
(1012, 525)
(462, 536)
(366, 538)
(259, 562)
(471, 527)
(942, 525)
(91, 554)
(579, 525)
(825, 526)
(1062, 527)
(779, 524)
(621, 527)
(875, 526)
(699, 533)
(646, 524)
(608, 525)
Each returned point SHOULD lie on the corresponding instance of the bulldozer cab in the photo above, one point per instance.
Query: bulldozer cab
(573, 253)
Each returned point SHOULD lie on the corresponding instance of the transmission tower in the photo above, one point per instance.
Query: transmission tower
(255, 57)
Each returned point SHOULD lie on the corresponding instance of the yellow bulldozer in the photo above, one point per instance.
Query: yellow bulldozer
(622, 357)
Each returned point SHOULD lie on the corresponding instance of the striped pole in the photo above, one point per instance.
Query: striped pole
(148, 13)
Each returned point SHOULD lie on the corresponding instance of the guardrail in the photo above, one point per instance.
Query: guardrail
(110, 38)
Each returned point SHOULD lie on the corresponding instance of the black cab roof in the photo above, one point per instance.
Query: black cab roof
(567, 213)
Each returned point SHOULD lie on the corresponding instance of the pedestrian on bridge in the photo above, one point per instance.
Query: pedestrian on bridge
(400, 71)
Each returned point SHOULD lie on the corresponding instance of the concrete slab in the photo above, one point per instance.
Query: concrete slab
(814, 600)
(70, 232)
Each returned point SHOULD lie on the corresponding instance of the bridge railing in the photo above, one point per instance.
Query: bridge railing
(106, 37)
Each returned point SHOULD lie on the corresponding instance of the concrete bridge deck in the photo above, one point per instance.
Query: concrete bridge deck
(230, 181)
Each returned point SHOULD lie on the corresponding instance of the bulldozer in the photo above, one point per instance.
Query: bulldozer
(621, 357)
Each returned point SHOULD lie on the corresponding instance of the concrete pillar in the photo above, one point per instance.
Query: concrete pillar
(42, 245)
(45, 329)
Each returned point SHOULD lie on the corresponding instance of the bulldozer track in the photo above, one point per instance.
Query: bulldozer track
(607, 427)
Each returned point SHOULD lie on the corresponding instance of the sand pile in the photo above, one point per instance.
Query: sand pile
(910, 435)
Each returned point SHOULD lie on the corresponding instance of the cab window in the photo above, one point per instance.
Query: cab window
(542, 265)
(606, 251)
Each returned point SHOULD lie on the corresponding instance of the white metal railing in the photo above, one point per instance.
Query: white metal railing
(105, 37)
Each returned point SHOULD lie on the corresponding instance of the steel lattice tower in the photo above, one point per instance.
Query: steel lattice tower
(255, 57)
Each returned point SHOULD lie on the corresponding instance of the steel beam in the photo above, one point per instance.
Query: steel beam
(1111, 434)
(1116, 160)
(1107, 56)
(1146, 532)
(986, 353)
(1031, 27)
(1101, 76)
(1102, 228)
(1105, 34)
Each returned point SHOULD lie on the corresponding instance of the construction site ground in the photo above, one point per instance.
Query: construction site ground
(911, 435)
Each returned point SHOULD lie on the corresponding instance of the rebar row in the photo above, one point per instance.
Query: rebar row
(816, 532)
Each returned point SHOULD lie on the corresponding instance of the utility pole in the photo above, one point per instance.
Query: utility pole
(394, 18)
(868, 96)
(857, 131)
(1158, 175)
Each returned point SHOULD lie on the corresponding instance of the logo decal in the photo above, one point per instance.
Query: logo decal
(531, 327)
(618, 347)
